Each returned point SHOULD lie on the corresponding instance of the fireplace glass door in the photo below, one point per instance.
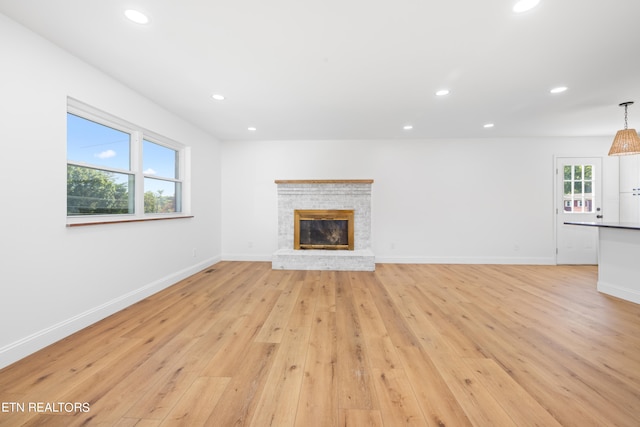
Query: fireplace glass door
(323, 229)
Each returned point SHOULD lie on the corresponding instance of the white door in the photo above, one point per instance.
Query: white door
(579, 199)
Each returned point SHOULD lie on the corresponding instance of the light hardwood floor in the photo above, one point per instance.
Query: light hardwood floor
(426, 345)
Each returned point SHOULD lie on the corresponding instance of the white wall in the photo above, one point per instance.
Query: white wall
(55, 280)
(449, 201)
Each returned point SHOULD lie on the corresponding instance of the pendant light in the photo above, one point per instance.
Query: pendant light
(626, 141)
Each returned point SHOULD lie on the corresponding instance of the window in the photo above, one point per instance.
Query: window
(99, 177)
(118, 170)
(578, 188)
(162, 187)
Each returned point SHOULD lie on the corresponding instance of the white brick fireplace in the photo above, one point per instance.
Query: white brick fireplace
(324, 195)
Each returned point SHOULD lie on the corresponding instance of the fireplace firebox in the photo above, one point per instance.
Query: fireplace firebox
(323, 229)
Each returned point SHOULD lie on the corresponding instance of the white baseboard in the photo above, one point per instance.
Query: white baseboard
(466, 260)
(619, 292)
(30, 344)
(253, 257)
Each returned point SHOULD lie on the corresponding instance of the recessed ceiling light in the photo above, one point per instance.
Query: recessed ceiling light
(488, 125)
(407, 127)
(524, 5)
(442, 92)
(558, 89)
(217, 97)
(251, 129)
(136, 16)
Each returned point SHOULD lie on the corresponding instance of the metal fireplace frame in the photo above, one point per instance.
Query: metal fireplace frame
(323, 214)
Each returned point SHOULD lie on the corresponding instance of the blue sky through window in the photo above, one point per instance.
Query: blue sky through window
(99, 145)
(159, 161)
(95, 144)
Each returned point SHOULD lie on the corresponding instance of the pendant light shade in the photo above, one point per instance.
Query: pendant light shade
(626, 141)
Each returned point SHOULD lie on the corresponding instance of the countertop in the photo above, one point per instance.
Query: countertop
(624, 225)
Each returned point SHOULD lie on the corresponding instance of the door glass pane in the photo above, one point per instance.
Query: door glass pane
(587, 187)
(577, 172)
(578, 189)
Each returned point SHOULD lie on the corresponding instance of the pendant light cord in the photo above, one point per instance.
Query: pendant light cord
(625, 116)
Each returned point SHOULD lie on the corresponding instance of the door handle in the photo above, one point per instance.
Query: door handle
(598, 216)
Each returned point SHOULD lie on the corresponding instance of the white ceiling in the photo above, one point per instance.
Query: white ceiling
(360, 69)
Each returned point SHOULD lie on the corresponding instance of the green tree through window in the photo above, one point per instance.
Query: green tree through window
(93, 191)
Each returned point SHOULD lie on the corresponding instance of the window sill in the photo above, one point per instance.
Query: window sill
(120, 221)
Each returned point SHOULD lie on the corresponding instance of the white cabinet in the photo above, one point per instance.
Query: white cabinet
(629, 173)
(630, 188)
(629, 207)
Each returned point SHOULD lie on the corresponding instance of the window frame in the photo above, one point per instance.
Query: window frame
(136, 160)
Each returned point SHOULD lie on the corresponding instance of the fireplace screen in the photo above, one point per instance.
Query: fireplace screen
(323, 229)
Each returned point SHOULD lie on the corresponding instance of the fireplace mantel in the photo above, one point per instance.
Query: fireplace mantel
(324, 181)
(324, 194)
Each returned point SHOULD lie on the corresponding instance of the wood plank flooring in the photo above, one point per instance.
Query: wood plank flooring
(425, 345)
